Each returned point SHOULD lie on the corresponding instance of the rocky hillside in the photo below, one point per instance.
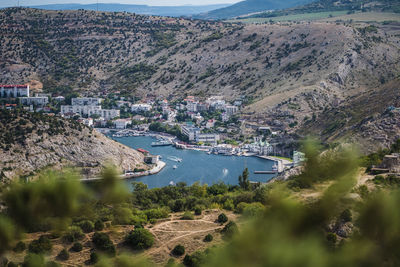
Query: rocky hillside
(33, 141)
(369, 119)
(288, 72)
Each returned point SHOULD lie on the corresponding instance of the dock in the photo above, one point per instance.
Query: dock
(266, 172)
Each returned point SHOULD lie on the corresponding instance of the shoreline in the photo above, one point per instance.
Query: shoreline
(156, 169)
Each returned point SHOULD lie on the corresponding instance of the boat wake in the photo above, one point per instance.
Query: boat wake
(173, 158)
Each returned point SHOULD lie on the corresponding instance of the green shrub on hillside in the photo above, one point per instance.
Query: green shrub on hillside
(139, 239)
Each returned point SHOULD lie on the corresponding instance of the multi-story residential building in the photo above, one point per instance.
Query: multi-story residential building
(231, 110)
(202, 107)
(81, 110)
(209, 138)
(89, 111)
(122, 123)
(194, 135)
(191, 106)
(190, 131)
(36, 100)
(298, 158)
(14, 90)
(141, 107)
(109, 114)
(86, 101)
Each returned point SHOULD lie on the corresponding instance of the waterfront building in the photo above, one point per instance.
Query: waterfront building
(151, 159)
(36, 100)
(298, 158)
(194, 135)
(140, 108)
(122, 123)
(86, 101)
(208, 138)
(14, 90)
(190, 131)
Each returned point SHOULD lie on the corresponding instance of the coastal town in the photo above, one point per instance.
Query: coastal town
(212, 124)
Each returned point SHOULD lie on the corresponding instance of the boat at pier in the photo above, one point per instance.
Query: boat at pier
(161, 143)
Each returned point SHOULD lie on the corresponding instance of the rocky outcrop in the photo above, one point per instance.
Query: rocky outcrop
(79, 147)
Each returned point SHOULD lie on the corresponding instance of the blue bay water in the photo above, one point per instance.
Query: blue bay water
(197, 166)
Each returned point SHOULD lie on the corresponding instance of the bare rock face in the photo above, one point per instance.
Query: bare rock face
(71, 146)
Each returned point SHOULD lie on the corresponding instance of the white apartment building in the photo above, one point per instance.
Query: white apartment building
(231, 110)
(191, 132)
(81, 110)
(141, 107)
(208, 138)
(86, 101)
(37, 100)
(122, 123)
(194, 134)
(298, 158)
(191, 106)
(14, 90)
(109, 114)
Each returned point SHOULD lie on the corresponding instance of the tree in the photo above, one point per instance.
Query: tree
(40, 245)
(178, 250)
(222, 218)
(102, 242)
(230, 230)
(86, 226)
(208, 238)
(244, 182)
(63, 255)
(140, 239)
(76, 247)
(99, 225)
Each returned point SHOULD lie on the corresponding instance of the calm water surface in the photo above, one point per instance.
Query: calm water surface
(196, 166)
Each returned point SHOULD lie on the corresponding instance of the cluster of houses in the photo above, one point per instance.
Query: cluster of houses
(194, 108)
(21, 92)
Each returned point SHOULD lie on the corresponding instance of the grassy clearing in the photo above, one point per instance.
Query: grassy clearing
(367, 17)
(295, 17)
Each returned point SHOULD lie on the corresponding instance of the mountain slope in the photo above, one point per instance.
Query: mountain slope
(288, 73)
(174, 11)
(250, 6)
(32, 141)
(336, 5)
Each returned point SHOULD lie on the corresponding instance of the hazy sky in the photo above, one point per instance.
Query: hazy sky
(7, 3)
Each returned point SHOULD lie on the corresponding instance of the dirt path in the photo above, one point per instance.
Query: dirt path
(189, 233)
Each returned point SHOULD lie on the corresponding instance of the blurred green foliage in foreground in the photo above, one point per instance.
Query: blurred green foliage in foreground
(277, 229)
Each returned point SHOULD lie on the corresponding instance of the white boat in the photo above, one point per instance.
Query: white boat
(173, 158)
(174, 167)
(275, 167)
